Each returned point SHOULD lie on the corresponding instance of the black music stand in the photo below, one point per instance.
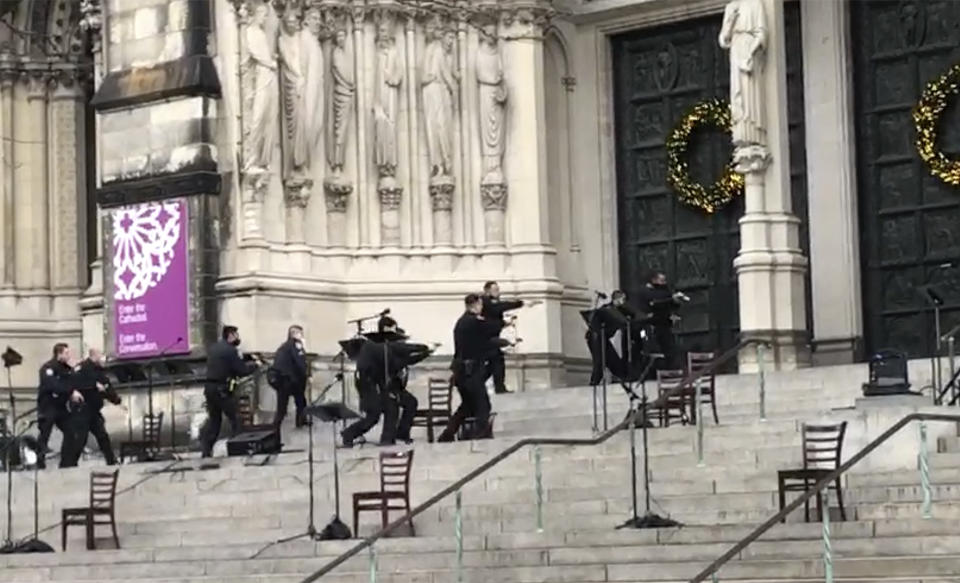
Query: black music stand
(336, 529)
(332, 413)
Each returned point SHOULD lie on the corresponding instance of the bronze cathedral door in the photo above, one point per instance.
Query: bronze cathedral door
(659, 74)
(909, 220)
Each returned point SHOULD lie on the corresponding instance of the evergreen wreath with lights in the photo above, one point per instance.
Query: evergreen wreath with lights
(713, 112)
(926, 118)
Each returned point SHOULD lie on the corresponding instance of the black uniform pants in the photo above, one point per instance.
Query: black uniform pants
(371, 406)
(601, 350)
(220, 402)
(89, 421)
(45, 423)
(298, 392)
(469, 377)
(399, 409)
(497, 368)
(667, 344)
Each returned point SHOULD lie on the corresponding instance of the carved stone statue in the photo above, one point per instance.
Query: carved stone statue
(293, 80)
(493, 99)
(389, 76)
(259, 80)
(315, 71)
(344, 92)
(744, 33)
(439, 80)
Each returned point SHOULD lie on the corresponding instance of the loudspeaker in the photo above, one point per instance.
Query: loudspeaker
(254, 442)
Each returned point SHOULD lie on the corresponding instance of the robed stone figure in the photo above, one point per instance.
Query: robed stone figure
(344, 92)
(301, 72)
(261, 95)
(389, 76)
(493, 99)
(744, 33)
(439, 83)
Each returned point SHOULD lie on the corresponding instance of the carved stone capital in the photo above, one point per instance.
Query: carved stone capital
(390, 193)
(441, 193)
(337, 195)
(752, 158)
(91, 23)
(525, 19)
(493, 197)
(36, 82)
(254, 186)
(296, 193)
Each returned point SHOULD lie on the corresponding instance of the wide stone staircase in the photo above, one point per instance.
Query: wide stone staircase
(181, 523)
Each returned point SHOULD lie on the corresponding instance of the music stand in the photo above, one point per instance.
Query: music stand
(335, 529)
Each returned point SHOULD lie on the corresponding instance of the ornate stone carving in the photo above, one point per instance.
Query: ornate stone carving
(337, 196)
(254, 190)
(493, 100)
(439, 80)
(344, 95)
(297, 194)
(493, 197)
(441, 195)
(389, 77)
(91, 22)
(390, 198)
(301, 58)
(258, 73)
(526, 21)
(751, 158)
(744, 33)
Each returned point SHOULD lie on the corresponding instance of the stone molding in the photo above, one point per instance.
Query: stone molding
(493, 197)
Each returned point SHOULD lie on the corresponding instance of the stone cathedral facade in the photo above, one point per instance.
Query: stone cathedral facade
(340, 157)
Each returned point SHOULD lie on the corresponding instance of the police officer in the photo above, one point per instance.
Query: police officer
(473, 337)
(94, 385)
(494, 309)
(290, 365)
(224, 366)
(55, 394)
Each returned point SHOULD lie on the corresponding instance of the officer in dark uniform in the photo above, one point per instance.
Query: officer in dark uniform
(494, 310)
(290, 365)
(94, 385)
(382, 385)
(55, 393)
(473, 337)
(661, 303)
(224, 367)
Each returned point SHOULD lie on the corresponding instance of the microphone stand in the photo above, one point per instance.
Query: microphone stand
(29, 546)
(649, 518)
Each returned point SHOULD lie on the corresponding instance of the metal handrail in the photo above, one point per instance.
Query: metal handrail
(826, 481)
(689, 381)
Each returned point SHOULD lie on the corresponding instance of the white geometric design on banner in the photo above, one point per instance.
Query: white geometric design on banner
(144, 237)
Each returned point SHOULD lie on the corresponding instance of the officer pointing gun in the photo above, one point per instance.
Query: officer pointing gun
(224, 366)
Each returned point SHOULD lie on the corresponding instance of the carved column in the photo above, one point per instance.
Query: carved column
(259, 106)
(493, 100)
(413, 129)
(7, 78)
(770, 266)
(465, 135)
(440, 79)
(296, 196)
(30, 189)
(66, 179)
(388, 82)
(343, 73)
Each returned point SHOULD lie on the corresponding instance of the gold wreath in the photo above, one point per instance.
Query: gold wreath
(926, 117)
(715, 112)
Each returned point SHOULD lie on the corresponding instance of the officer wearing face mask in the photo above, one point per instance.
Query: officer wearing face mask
(290, 366)
(224, 366)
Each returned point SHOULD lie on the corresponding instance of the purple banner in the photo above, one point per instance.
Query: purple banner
(150, 294)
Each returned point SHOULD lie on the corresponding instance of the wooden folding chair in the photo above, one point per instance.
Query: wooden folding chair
(437, 414)
(822, 451)
(394, 487)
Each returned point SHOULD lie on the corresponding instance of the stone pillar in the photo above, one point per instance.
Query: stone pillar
(390, 195)
(834, 240)
(770, 266)
(296, 195)
(521, 32)
(465, 135)
(7, 78)
(441, 202)
(253, 190)
(29, 165)
(366, 214)
(337, 196)
(67, 180)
